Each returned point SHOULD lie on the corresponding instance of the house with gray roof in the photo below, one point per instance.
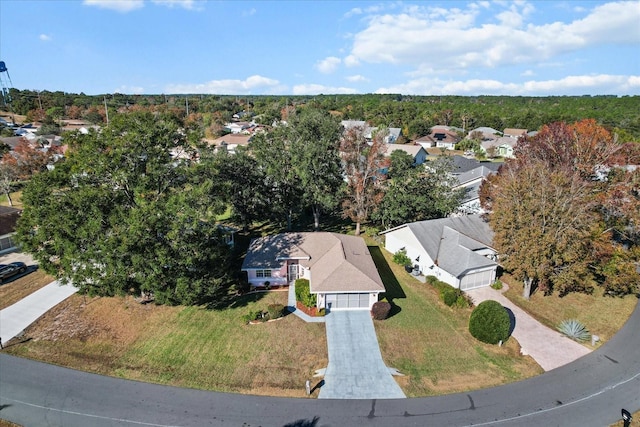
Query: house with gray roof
(339, 267)
(456, 250)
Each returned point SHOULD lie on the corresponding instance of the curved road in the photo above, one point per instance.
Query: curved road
(588, 392)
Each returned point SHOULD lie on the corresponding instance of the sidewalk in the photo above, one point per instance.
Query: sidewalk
(15, 318)
(549, 348)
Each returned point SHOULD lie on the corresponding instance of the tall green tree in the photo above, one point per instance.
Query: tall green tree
(123, 215)
(419, 194)
(315, 139)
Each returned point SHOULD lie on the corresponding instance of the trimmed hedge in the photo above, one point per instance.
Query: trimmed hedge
(489, 322)
(380, 310)
(275, 311)
(303, 293)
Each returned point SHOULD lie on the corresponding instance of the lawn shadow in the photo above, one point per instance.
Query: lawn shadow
(512, 320)
(317, 386)
(392, 285)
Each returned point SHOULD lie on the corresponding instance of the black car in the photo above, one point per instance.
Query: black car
(12, 269)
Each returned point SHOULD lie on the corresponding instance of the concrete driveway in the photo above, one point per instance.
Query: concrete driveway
(356, 369)
(548, 347)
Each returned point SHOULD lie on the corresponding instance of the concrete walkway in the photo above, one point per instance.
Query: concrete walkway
(291, 307)
(549, 348)
(15, 318)
(356, 369)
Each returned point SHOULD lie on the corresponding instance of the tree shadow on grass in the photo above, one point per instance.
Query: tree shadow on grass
(512, 320)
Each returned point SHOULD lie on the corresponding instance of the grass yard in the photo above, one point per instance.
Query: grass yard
(603, 316)
(14, 290)
(430, 342)
(181, 346)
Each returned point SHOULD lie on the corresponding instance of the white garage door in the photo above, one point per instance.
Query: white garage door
(477, 280)
(342, 301)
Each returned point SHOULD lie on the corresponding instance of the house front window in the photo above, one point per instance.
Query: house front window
(263, 273)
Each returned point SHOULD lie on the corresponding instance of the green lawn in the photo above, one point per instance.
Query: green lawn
(603, 316)
(430, 342)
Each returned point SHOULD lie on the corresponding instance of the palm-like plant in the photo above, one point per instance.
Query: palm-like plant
(574, 329)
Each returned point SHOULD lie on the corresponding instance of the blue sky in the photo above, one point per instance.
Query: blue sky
(533, 48)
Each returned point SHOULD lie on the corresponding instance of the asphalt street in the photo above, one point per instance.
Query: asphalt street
(588, 392)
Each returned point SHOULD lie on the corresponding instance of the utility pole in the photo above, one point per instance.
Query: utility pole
(106, 110)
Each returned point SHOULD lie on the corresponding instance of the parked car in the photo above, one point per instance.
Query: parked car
(12, 269)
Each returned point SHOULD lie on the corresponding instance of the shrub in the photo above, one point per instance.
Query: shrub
(462, 301)
(275, 310)
(431, 280)
(489, 322)
(574, 330)
(251, 316)
(380, 310)
(401, 258)
(321, 312)
(303, 293)
(497, 285)
(449, 296)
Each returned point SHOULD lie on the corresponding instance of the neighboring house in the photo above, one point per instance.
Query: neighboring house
(504, 146)
(486, 133)
(339, 267)
(470, 174)
(456, 250)
(238, 127)
(8, 218)
(391, 138)
(394, 134)
(514, 133)
(231, 141)
(418, 153)
(441, 137)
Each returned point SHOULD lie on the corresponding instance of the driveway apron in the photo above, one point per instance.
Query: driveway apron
(549, 348)
(356, 369)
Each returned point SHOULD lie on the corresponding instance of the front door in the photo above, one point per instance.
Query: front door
(293, 272)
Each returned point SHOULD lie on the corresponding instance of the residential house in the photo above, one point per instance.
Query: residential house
(514, 133)
(8, 219)
(418, 153)
(339, 267)
(456, 250)
(470, 174)
(444, 137)
(238, 127)
(504, 146)
(231, 141)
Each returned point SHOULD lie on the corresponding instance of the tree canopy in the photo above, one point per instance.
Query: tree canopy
(125, 214)
(559, 210)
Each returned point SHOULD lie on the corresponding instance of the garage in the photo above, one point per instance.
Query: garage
(477, 279)
(343, 301)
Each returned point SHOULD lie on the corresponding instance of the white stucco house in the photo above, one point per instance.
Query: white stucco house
(339, 267)
(456, 250)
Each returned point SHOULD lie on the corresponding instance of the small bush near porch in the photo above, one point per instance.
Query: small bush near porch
(303, 293)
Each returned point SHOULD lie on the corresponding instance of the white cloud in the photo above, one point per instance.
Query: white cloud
(44, 37)
(185, 4)
(125, 6)
(446, 39)
(316, 89)
(357, 78)
(251, 85)
(328, 65)
(249, 12)
(129, 90)
(527, 73)
(122, 6)
(570, 85)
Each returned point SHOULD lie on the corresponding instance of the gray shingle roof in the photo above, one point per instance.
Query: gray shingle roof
(451, 242)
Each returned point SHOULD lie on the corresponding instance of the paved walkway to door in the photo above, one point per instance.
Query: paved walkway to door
(548, 347)
(356, 369)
